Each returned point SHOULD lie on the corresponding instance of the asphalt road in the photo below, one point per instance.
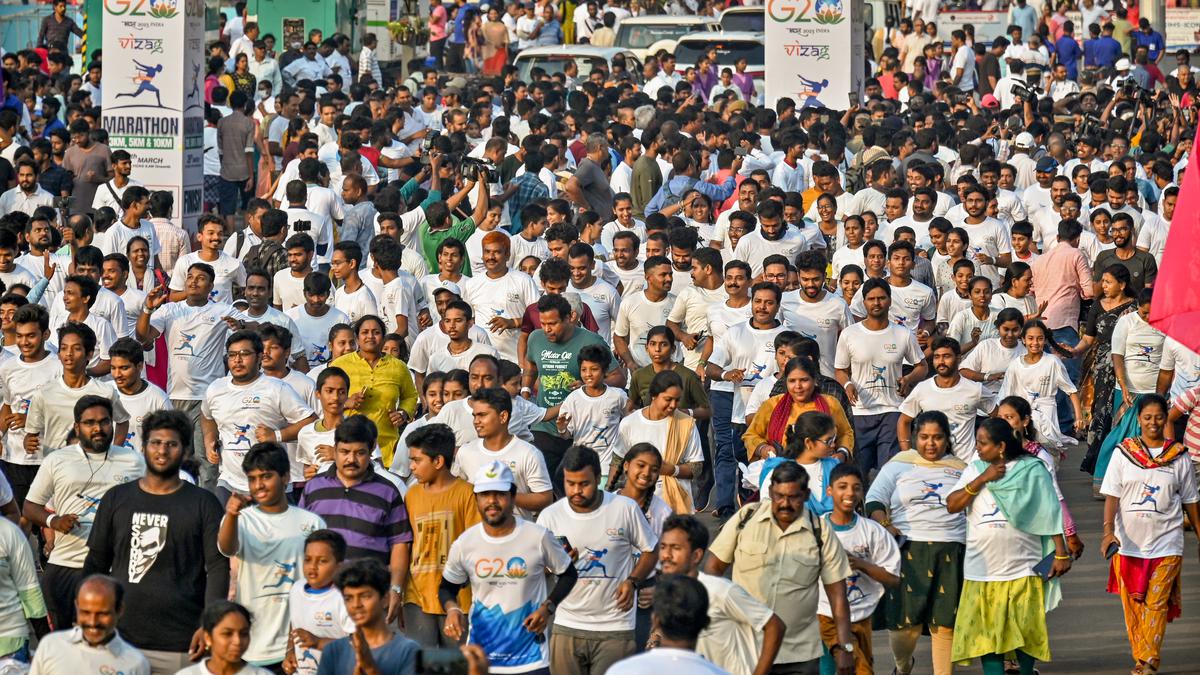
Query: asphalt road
(1087, 630)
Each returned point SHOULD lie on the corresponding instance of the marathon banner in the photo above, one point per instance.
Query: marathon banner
(814, 52)
(1175, 309)
(154, 69)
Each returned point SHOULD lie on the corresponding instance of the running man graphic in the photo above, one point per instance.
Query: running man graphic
(195, 81)
(243, 431)
(592, 560)
(853, 589)
(187, 344)
(284, 573)
(93, 503)
(809, 91)
(1148, 492)
(930, 491)
(878, 378)
(145, 80)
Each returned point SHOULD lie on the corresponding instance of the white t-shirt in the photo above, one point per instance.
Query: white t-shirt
(321, 612)
(606, 540)
(139, 405)
(229, 272)
(100, 328)
(1150, 513)
(751, 350)
(690, 311)
(397, 297)
(635, 428)
(637, 315)
(753, 249)
(195, 339)
(910, 305)
(270, 561)
(593, 421)
(432, 340)
(735, 621)
(1142, 347)
(51, 411)
(108, 306)
(506, 297)
(508, 583)
(238, 409)
(288, 290)
(314, 330)
(1184, 362)
(875, 359)
(950, 304)
(822, 321)
(604, 301)
(965, 322)
(18, 381)
(666, 660)
(996, 551)
(356, 304)
(74, 482)
(441, 360)
(631, 281)
(868, 540)
(66, 651)
(527, 463)
(915, 497)
(961, 403)
(990, 357)
(991, 238)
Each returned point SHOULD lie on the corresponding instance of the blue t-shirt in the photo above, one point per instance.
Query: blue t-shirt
(397, 657)
(1153, 43)
(458, 34)
(1068, 51)
(1105, 51)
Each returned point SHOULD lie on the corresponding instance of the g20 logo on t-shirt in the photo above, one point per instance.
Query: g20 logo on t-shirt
(889, 347)
(253, 400)
(497, 568)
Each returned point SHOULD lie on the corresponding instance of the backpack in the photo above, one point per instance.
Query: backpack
(269, 256)
(856, 175)
(670, 198)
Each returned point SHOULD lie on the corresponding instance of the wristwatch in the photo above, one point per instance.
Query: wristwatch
(847, 647)
(398, 590)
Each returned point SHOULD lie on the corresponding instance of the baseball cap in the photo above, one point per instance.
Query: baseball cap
(1046, 165)
(448, 286)
(1122, 64)
(990, 101)
(495, 476)
(1024, 140)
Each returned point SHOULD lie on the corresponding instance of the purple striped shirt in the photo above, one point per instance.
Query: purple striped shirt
(370, 515)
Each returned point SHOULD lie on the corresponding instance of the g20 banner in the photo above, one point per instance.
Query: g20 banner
(814, 51)
(154, 95)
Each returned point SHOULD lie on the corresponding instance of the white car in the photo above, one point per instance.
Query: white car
(747, 19)
(646, 35)
(554, 59)
(730, 46)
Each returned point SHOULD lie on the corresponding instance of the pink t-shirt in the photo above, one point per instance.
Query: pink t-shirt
(1187, 404)
(437, 24)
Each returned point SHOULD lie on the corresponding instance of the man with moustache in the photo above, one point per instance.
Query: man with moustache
(93, 645)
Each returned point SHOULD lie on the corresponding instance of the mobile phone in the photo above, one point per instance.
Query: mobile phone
(1045, 566)
(740, 152)
(441, 662)
(1111, 550)
(854, 100)
(562, 541)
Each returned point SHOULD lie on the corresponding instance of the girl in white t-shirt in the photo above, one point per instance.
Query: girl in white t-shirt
(988, 362)
(641, 468)
(226, 628)
(1037, 377)
(976, 323)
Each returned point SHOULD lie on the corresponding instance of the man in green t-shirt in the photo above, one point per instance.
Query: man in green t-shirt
(551, 371)
(441, 222)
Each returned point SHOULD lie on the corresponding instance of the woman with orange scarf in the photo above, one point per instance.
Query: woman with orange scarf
(664, 426)
(767, 433)
(1149, 486)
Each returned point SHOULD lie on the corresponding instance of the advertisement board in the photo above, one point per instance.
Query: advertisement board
(814, 51)
(154, 95)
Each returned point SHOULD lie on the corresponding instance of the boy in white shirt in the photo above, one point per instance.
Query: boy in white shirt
(139, 397)
(591, 414)
(352, 297)
(229, 271)
(317, 611)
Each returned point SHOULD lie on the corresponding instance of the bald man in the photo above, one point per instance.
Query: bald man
(93, 645)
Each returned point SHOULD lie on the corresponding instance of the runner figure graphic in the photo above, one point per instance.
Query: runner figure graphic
(145, 80)
(810, 90)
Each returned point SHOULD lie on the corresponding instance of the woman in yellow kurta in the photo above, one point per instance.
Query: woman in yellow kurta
(767, 433)
(380, 385)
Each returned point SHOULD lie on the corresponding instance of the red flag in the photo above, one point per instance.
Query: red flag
(1176, 306)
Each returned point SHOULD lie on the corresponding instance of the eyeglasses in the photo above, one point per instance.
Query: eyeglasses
(829, 442)
(241, 354)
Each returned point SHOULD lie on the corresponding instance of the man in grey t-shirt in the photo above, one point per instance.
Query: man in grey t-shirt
(589, 187)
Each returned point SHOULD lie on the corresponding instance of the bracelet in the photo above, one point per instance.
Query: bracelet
(675, 470)
(278, 436)
(1062, 557)
(50, 520)
(973, 493)
(456, 609)
(526, 390)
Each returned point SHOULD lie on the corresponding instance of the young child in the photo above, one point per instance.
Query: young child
(1022, 242)
(850, 252)
(395, 345)
(957, 243)
(440, 508)
(591, 414)
(341, 341)
(1037, 377)
(316, 609)
(266, 536)
(874, 563)
(976, 323)
(960, 298)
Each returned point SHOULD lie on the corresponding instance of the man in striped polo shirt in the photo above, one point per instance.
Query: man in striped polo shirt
(364, 507)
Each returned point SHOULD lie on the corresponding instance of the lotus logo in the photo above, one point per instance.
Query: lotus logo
(491, 473)
(163, 9)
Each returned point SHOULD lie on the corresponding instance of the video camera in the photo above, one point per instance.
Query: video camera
(479, 169)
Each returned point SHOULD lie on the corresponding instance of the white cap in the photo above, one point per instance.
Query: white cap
(1122, 64)
(495, 476)
(1024, 140)
(448, 286)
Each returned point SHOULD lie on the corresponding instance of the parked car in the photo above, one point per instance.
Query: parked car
(730, 46)
(749, 19)
(554, 60)
(645, 35)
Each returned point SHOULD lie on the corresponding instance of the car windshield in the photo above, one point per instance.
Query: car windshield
(689, 52)
(641, 36)
(747, 21)
(556, 63)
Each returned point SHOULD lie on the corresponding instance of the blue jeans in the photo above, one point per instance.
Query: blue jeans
(725, 454)
(875, 440)
(1067, 337)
